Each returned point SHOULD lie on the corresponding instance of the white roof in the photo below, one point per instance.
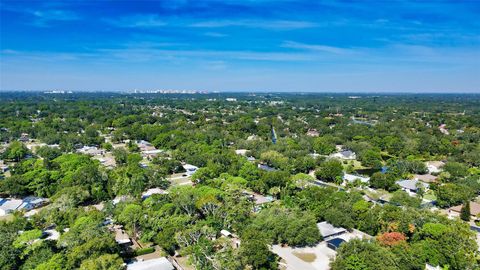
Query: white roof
(154, 264)
(151, 152)
(327, 229)
(119, 199)
(11, 205)
(225, 233)
(352, 178)
(152, 191)
(411, 184)
(190, 167)
(52, 235)
(241, 151)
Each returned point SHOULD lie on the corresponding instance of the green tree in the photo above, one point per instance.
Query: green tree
(364, 255)
(324, 145)
(451, 194)
(331, 171)
(16, 151)
(103, 262)
(371, 158)
(254, 251)
(131, 216)
(383, 181)
(465, 211)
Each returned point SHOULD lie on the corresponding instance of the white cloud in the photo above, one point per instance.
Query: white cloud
(141, 20)
(274, 25)
(316, 47)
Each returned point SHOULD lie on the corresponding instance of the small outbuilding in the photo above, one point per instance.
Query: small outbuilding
(335, 243)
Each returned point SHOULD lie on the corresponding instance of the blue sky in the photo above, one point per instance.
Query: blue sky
(264, 45)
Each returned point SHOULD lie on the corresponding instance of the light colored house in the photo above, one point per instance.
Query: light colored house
(443, 129)
(327, 230)
(351, 178)
(145, 146)
(154, 264)
(24, 137)
(3, 167)
(313, 133)
(152, 191)
(241, 152)
(430, 267)
(91, 150)
(426, 178)
(265, 167)
(456, 210)
(121, 237)
(411, 186)
(121, 198)
(434, 166)
(190, 169)
(345, 155)
(151, 153)
(32, 202)
(9, 206)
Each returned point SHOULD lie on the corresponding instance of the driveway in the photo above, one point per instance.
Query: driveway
(321, 262)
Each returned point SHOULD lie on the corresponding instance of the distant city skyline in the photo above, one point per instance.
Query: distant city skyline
(265, 45)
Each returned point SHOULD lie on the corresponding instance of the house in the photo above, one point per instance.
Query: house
(253, 137)
(3, 167)
(52, 234)
(151, 192)
(430, 267)
(226, 233)
(313, 133)
(190, 169)
(24, 137)
(235, 239)
(107, 161)
(345, 155)
(151, 153)
(443, 129)
(242, 152)
(119, 199)
(456, 210)
(426, 178)
(32, 202)
(251, 159)
(258, 199)
(327, 230)
(351, 178)
(9, 206)
(145, 146)
(266, 168)
(91, 150)
(434, 166)
(411, 186)
(335, 243)
(161, 263)
(121, 237)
